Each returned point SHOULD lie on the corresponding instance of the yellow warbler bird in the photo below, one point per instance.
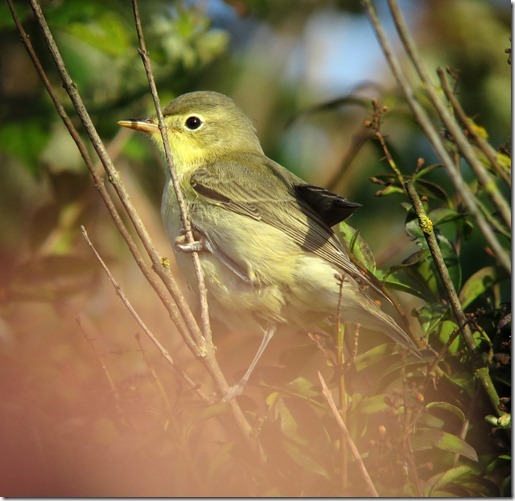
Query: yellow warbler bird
(268, 254)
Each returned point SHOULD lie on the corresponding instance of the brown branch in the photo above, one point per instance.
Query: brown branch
(348, 438)
(205, 341)
(187, 324)
(175, 313)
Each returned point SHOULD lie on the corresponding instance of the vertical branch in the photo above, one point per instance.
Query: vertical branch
(342, 394)
(187, 322)
(481, 372)
(206, 328)
(484, 145)
(164, 352)
(408, 430)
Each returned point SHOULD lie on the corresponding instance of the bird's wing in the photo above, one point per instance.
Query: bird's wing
(276, 197)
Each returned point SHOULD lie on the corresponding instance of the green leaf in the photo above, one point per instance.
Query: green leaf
(372, 356)
(450, 258)
(372, 405)
(477, 284)
(388, 191)
(302, 387)
(443, 479)
(221, 458)
(287, 420)
(25, 140)
(426, 170)
(447, 407)
(106, 33)
(432, 190)
(414, 276)
(429, 439)
(444, 215)
(358, 247)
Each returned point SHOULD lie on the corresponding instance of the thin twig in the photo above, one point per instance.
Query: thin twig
(433, 135)
(342, 394)
(450, 123)
(408, 430)
(119, 291)
(483, 145)
(350, 442)
(206, 327)
(85, 328)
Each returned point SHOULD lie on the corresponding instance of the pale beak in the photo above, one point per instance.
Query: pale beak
(141, 124)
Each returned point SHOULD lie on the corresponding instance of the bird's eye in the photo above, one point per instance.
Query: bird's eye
(193, 123)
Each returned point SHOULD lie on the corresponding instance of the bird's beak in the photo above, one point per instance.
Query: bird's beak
(141, 124)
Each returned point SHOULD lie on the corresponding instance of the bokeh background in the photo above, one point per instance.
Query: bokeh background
(73, 364)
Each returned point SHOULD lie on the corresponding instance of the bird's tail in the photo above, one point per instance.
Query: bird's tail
(375, 319)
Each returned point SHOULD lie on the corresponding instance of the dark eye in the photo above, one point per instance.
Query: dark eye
(193, 123)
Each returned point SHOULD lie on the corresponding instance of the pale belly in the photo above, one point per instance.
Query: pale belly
(285, 285)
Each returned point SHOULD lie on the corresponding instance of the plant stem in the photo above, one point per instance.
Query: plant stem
(480, 371)
(205, 341)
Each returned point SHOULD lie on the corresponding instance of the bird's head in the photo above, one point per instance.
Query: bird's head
(202, 127)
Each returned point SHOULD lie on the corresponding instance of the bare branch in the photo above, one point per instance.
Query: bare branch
(350, 442)
(484, 145)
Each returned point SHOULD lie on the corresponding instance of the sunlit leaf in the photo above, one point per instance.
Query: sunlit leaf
(220, 459)
(106, 32)
(481, 281)
(303, 387)
(444, 215)
(450, 258)
(372, 405)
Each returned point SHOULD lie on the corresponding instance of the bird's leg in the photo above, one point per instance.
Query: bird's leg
(237, 389)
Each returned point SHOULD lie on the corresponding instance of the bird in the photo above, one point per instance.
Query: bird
(270, 258)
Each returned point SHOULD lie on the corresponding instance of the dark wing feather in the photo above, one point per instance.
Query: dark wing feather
(331, 208)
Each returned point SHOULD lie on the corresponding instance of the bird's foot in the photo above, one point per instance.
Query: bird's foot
(198, 245)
